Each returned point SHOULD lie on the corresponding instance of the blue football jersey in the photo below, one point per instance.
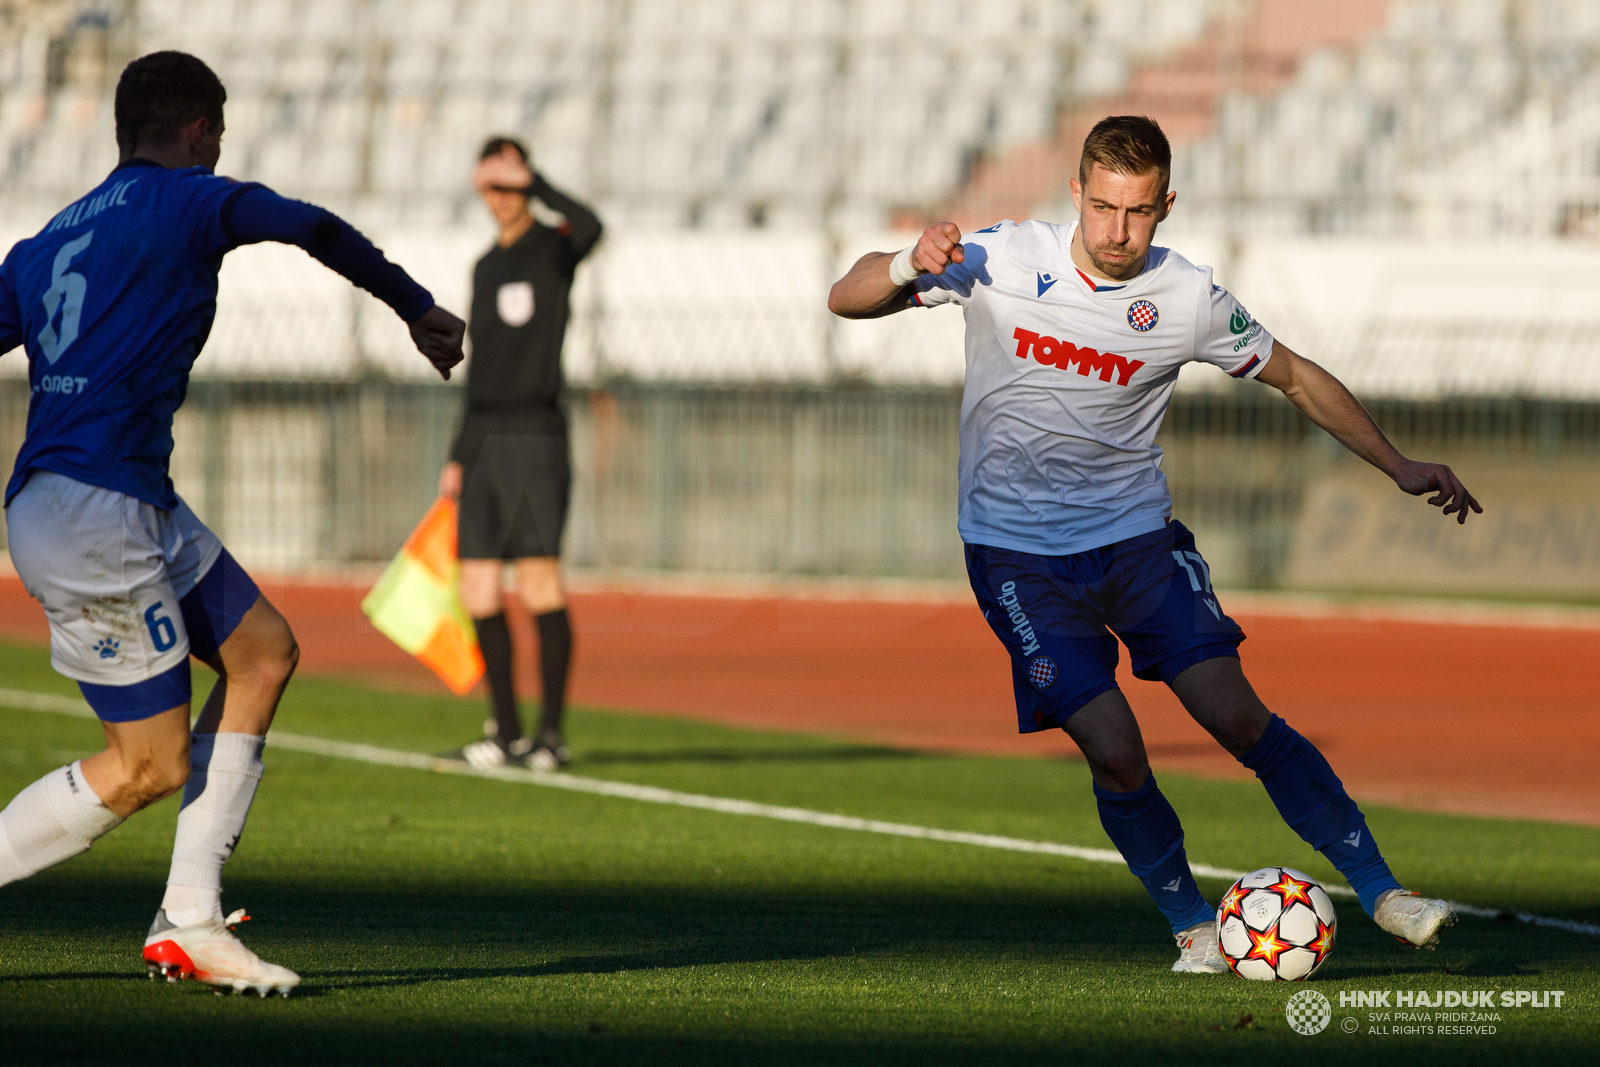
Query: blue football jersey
(113, 300)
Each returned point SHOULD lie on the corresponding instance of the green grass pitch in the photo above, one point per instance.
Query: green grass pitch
(437, 917)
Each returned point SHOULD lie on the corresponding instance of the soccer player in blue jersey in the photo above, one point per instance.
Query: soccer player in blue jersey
(1075, 336)
(113, 301)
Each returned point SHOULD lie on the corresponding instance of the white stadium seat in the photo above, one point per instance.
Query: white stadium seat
(806, 116)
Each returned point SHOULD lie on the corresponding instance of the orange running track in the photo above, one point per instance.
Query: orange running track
(1483, 717)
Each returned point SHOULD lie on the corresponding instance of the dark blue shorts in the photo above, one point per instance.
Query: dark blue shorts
(1056, 616)
(213, 609)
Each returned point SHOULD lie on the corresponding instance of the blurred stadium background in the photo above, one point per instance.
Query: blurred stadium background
(1405, 190)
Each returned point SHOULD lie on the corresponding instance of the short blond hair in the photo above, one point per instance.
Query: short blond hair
(1127, 144)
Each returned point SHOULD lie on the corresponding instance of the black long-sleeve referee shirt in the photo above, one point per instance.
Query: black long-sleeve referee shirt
(518, 322)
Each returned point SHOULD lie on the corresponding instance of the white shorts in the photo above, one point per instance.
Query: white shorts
(120, 583)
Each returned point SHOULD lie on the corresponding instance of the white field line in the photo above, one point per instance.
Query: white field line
(649, 794)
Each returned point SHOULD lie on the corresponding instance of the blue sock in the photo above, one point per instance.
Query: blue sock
(1146, 831)
(1313, 802)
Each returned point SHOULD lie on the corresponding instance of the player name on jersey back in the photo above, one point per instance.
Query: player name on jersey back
(92, 205)
(113, 300)
(1067, 379)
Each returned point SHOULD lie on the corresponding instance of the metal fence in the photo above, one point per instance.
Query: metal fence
(771, 480)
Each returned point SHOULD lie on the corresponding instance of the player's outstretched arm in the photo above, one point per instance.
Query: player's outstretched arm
(879, 283)
(258, 214)
(1331, 406)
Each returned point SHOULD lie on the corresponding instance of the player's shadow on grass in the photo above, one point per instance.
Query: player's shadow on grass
(592, 926)
(1413, 968)
(332, 981)
(75, 976)
(748, 755)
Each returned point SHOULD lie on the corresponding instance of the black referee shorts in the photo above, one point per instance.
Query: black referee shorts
(514, 497)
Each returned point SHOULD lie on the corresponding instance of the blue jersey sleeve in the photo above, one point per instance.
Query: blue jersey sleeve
(10, 311)
(254, 213)
(197, 201)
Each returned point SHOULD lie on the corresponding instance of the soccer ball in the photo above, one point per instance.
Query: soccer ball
(1276, 925)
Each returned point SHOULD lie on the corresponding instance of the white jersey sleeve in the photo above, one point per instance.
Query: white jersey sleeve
(1227, 337)
(956, 284)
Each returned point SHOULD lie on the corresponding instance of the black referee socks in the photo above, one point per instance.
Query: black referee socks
(555, 654)
(494, 641)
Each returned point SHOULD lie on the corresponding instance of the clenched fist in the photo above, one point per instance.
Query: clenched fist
(937, 248)
(438, 335)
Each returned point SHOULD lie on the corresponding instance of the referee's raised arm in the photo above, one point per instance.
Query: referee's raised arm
(878, 283)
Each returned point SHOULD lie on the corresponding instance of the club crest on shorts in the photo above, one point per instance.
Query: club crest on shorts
(1042, 672)
(1142, 315)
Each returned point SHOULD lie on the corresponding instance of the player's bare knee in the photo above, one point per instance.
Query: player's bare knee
(543, 601)
(154, 777)
(482, 607)
(481, 599)
(1122, 769)
(285, 659)
(266, 668)
(1239, 724)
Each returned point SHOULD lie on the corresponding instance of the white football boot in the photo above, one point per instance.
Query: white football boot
(1413, 918)
(208, 952)
(483, 755)
(1199, 951)
(550, 754)
(488, 754)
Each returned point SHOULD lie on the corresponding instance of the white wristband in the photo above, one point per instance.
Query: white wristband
(901, 272)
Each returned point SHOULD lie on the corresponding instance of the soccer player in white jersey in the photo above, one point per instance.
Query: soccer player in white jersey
(1075, 335)
(113, 301)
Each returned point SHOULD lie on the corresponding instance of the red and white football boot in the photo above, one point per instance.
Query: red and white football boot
(1412, 918)
(1199, 950)
(208, 952)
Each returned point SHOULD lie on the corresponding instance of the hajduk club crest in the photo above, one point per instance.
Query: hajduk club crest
(1042, 672)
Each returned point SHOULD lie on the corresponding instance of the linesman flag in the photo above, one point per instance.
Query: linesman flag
(416, 606)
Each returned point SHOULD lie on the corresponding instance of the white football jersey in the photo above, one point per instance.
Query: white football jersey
(1067, 382)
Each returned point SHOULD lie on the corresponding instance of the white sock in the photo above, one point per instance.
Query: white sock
(52, 820)
(224, 770)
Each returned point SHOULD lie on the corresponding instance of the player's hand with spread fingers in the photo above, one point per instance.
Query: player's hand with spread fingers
(937, 248)
(438, 335)
(1417, 478)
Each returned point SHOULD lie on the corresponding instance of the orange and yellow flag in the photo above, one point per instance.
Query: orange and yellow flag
(416, 606)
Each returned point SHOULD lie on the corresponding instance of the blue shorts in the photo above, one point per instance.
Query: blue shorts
(1056, 616)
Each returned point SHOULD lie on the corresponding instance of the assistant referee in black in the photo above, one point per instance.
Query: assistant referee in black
(510, 467)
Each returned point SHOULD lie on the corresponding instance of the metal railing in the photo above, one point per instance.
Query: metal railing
(782, 480)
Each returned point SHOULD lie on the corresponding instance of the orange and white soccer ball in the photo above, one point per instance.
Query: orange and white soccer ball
(1276, 925)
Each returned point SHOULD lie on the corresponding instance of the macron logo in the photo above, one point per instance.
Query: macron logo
(1353, 839)
(1061, 354)
(1172, 886)
(1045, 281)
